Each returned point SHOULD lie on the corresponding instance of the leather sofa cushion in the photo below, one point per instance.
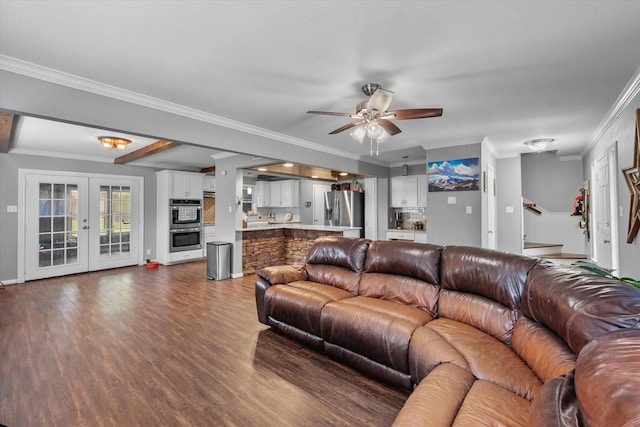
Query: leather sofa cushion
(579, 305)
(333, 275)
(543, 350)
(417, 260)
(376, 329)
(450, 395)
(448, 341)
(556, 404)
(609, 367)
(499, 276)
(436, 400)
(488, 404)
(345, 252)
(300, 303)
(401, 289)
(480, 312)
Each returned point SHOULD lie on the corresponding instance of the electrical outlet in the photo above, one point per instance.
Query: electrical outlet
(12, 208)
(469, 209)
(148, 251)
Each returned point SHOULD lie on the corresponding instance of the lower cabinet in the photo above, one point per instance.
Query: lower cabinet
(209, 236)
(411, 236)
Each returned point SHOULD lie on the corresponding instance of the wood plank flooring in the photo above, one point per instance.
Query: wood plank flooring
(166, 347)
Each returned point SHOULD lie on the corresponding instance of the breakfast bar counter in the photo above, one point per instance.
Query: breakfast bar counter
(268, 244)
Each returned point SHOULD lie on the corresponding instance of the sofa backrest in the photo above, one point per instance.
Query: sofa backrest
(337, 261)
(579, 305)
(403, 272)
(483, 288)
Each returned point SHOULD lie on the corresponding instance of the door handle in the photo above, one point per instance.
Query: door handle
(86, 227)
(607, 241)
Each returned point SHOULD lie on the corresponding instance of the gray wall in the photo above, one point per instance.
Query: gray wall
(508, 194)
(9, 165)
(550, 182)
(449, 224)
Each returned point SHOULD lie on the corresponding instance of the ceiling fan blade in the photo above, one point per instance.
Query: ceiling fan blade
(329, 113)
(391, 128)
(416, 113)
(380, 100)
(342, 128)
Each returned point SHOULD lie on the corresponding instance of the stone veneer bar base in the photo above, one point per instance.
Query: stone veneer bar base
(264, 248)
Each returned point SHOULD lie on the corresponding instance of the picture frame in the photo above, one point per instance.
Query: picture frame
(454, 175)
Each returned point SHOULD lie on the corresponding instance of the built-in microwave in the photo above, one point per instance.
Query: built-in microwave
(185, 239)
(185, 213)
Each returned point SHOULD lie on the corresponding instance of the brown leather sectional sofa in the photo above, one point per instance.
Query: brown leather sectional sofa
(481, 337)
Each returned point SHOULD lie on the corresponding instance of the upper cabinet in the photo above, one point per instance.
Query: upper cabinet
(404, 191)
(181, 185)
(285, 194)
(209, 183)
(262, 198)
(277, 194)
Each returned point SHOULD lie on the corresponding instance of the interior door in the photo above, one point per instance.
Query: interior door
(56, 226)
(602, 235)
(75, 224)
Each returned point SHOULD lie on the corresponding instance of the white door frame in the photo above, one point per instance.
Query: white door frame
(22, 174)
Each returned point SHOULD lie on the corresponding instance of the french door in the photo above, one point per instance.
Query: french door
(74, 224)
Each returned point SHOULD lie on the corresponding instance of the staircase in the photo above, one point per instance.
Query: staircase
(551, 251)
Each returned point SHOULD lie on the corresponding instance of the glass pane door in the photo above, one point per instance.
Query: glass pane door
(58, 224)
(115, 222)
(57, 228)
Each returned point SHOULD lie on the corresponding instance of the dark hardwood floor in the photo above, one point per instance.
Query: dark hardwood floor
(166, 347)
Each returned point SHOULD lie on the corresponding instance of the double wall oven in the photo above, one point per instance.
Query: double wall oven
(185, 225)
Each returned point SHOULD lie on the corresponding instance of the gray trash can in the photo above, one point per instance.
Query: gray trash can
(218, 260)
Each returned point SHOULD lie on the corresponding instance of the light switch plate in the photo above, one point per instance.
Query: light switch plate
(451, 200)
(508, 209)
(12, 208)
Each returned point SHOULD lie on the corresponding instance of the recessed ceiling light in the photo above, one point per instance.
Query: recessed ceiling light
(262, 169)
(539, 144)
(314, 176)
(288, 165)
(343, 174)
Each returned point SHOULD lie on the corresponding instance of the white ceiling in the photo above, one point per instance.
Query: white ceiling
(503, 71)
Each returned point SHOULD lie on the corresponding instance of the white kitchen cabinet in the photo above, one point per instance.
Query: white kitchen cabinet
(209, 183)
(209, 236)
(285, 194)
(181, 185)
(408, 235)
(404, 191)
(262, 197)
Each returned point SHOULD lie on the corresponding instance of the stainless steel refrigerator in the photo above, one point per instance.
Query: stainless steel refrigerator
(344, 208)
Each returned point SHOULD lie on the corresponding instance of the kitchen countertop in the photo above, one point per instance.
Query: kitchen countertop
(294, 225)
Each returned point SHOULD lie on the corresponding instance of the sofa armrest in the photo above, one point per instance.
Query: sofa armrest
(280, 274)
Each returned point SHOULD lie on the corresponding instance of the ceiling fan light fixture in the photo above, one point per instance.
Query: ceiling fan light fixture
(539, 145)
(359, 133)
(374, 130)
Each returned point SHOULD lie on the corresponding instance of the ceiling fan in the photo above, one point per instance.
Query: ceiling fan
(373, 121)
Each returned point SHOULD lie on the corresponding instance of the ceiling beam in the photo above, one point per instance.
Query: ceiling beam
(210, 169)
(149, 150)
(6, 126)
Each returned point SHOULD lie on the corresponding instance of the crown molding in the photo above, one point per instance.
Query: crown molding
(51, 75)
(627, 95)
